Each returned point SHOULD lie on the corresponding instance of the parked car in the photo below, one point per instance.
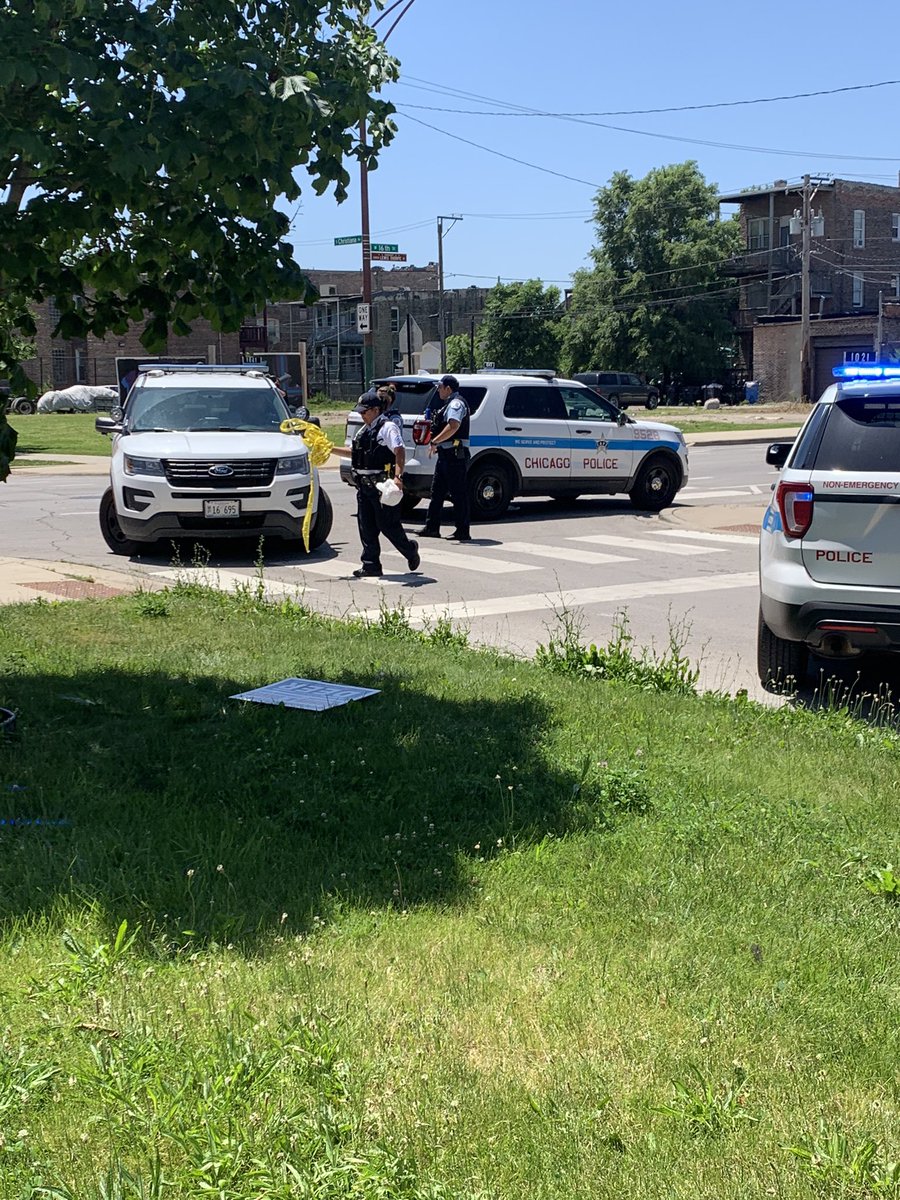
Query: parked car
(198, 452)
(534, 434)
(620, 387)
(829, 547)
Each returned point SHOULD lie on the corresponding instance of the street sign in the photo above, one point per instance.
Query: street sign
(389, 257)
(356, 240)
(385, 247)
(364, 318)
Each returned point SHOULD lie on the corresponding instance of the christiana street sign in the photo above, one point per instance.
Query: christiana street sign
(356, 240)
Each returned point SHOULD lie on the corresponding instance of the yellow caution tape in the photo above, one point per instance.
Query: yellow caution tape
(320, 446)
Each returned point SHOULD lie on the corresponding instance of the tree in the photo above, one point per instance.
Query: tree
(521, 326)
(145, 143)
(458, 350)
(657, 299)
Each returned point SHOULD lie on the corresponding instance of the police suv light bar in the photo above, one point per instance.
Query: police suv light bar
(867, 371)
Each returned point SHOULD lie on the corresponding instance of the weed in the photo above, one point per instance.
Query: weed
(88, 968)
(617, 661)
(856, 1167)
(442, 633)
(881, 881)
(152, 604)
(705, 1107)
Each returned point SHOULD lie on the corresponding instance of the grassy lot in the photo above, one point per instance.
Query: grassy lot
(497, 931)
(74, 433)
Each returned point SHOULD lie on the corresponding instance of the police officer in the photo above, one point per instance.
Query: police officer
(377, 454)
(450, 442)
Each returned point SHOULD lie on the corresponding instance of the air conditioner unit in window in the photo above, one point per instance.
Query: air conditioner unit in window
(328, 289)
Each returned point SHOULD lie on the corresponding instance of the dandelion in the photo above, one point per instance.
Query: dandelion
(190, 872)
(283, 918)
(220, 869)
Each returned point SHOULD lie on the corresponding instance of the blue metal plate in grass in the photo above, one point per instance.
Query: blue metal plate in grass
(312, 694)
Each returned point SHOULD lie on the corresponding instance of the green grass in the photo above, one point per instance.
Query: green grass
(59, 433)
(498, 930)
(74, 433)
(38, 462)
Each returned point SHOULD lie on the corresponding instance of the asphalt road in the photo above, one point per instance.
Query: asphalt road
(691, 571)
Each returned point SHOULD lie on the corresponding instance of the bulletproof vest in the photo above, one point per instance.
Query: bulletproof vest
(439, 420)
(367, 453)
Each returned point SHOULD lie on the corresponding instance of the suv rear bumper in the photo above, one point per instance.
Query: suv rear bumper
(803, 623)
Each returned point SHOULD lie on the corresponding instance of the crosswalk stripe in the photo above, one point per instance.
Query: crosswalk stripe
(745, 539)
(229, 580)
(630, 543)
(471, 559)
(564, 553)
(612, 594)
(718, 494)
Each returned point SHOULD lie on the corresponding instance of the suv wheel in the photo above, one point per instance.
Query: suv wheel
(322, 522)
(655, 486)
(110, 528)
(777, 660)
(24, 406)
(490, 490)
(652, 400)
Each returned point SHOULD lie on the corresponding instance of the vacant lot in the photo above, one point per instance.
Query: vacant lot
(496, 931)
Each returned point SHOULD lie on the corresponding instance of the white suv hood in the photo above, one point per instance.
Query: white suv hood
(224, 446)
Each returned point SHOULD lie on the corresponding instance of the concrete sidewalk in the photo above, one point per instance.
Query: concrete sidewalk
(24, 579)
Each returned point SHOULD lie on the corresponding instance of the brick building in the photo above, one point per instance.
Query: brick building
(854, 277)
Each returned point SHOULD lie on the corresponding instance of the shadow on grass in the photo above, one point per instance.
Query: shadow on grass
(866, 688)
(162, 801)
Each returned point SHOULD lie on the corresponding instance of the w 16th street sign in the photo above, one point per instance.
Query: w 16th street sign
(385, 247)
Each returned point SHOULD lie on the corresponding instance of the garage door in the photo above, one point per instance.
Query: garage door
(827, 357)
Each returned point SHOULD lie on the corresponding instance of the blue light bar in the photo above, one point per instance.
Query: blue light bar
(867, 371)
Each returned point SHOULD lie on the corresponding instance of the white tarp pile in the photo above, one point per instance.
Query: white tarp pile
(79, 398)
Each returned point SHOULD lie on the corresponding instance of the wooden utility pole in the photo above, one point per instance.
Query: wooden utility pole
(804, 293)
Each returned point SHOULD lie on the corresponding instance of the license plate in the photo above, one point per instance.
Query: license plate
(221, 508)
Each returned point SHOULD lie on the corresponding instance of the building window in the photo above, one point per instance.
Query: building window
(895, 227)
(80, 367)
(325, 316)
(758, 233)
(395, 320)
(53, 312)
(757, 296)
(351, 363)
(857, 289)
(895, 284)
(859, 228)
(60, 368)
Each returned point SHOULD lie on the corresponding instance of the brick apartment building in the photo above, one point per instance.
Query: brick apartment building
(854, 279)
(405, 325)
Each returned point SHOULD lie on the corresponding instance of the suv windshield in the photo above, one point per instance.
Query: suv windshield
(205, 409)
(862, 434)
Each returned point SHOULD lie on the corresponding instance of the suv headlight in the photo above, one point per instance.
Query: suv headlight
(298, 465)
(143, 466)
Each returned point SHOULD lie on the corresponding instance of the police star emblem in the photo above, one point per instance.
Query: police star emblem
(601, 444)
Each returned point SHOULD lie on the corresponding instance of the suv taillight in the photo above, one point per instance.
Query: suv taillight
(795, 503)
(421, 432)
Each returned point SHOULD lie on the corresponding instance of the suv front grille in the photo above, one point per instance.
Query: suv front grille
(195, 473)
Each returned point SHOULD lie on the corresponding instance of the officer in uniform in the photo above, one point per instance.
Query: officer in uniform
(450, 442)
(378, 454)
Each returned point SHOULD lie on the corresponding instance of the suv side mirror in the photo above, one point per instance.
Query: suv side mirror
(777, 453)
(107, 426)
(621, 418)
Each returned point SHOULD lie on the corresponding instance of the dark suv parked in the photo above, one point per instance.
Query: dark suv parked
(620, 387)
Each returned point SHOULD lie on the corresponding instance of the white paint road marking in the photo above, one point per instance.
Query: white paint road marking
(225, 580)
(470, 558)
(564, 553)
(745, 539)
(722, 494)
(538, 601)
(629, 543)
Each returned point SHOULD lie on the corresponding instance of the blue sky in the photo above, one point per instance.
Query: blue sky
(578, 56)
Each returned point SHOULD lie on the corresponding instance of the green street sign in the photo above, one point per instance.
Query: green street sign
(385, 247)
(348, 241)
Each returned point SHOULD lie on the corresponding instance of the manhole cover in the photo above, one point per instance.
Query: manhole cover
(77, 589)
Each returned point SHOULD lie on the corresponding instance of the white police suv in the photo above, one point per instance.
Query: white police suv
(829, 551)
(198, 452)
(535, 435)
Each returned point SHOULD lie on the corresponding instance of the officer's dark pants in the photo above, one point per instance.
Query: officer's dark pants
(374, 518)
(450, 479)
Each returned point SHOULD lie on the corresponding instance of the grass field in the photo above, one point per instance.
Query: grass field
(74, 433)
(497, 931)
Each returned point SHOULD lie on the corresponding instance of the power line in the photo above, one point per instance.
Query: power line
(641, 112)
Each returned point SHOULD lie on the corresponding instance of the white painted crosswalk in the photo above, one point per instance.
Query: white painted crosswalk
(564, 553)
(634, 543)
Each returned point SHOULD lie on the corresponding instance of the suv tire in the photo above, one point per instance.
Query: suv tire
(490, 490)
(778, 660)
(24, 406)
(655, 487)
(110, 528)
(652, 400)
(322, 522)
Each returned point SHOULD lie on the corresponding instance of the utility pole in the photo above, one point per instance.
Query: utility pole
(441, 323)
(879, 336)
(804, 293)
(368, 347)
